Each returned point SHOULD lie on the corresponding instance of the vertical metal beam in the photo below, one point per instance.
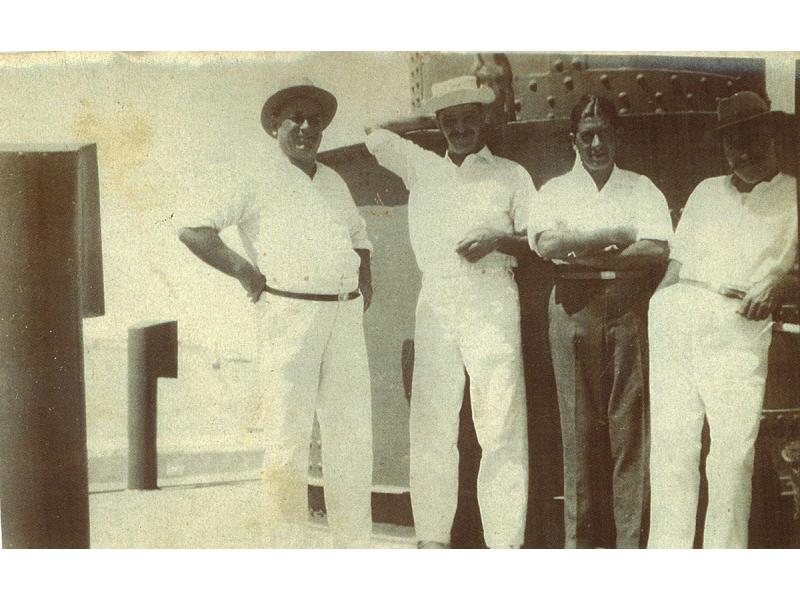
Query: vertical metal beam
(50, 261)
(152, 353)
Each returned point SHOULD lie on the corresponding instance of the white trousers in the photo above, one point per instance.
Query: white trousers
(705, 361)
(469, 321)
(313, 359)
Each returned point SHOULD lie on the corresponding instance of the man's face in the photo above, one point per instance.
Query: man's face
(298, 129)
(596, 143)
(750, 151)
(462, 127)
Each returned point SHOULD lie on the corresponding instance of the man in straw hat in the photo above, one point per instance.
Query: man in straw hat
(466, 214)
(710, 330)
(307, 269)
(606, 230)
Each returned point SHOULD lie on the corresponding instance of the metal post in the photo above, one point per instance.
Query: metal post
(50, 260)
(152, 353)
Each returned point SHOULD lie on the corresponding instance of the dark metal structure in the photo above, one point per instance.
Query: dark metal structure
(666, 105)
(51, 265)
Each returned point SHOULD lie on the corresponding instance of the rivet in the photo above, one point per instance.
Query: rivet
(577, 64)
(641, 80)
(659, 96)
(730, 84)
(551, 101)
(551, 115)
(604, 80)
(559, 65)
(623, 96)
(533, 85)
(568, 83)
(622, 111)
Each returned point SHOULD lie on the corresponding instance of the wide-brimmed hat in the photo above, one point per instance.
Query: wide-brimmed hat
(298, 88)
(742, 107)
(457, 91)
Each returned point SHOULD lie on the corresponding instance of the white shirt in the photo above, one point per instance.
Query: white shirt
(727, 237)
(447, 201)
(573, 202)
(299, 232)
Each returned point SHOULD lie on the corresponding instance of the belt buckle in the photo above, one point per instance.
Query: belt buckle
(342, 296)
(608, 275)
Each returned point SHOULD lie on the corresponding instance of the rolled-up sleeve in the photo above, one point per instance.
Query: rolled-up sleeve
(522, 200)
(358, 229)
(653, 221)
(543, 215)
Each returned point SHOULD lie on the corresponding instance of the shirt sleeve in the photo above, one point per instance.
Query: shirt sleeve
(542, 214)
(522, 200)
(237, 211)
(653, 218)
(787, 254)
(683, 242)
(395, 153)
(358, 228)
(356, 225)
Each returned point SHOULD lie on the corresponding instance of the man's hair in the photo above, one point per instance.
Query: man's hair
(592, 106)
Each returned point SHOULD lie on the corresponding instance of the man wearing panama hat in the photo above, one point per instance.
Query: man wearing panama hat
(710, 330)
(466, 215)
(307, 270)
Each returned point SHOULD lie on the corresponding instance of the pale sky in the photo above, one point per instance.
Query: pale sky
(174, 132)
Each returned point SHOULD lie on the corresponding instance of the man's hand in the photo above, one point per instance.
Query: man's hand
(479, 242)
(253, 282)
(365, 287)
(761, 299)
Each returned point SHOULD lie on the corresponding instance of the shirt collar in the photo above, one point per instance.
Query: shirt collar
(279, 161)
(580, 173)
(482, 155)
(761, 187)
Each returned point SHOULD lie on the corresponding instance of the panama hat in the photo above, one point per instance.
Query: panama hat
(298, 88)
(742, 107)
(457, 91)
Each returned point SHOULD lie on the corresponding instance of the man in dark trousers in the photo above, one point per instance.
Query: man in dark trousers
(607, 230)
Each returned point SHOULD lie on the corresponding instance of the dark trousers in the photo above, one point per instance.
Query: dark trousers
(598, 339)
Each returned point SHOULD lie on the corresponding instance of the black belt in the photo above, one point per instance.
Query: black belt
(315, 297)
(603, 275)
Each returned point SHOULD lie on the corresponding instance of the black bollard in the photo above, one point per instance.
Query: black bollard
(152, 353)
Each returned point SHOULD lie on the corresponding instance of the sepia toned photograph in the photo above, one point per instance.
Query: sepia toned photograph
(399, 300)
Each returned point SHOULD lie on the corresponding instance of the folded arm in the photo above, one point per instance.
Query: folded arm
(566, 244)
(644, 255)
(481, 241)
(205, 243)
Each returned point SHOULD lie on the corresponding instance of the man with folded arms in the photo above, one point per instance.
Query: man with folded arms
(466, 214)
(607, 231)
(710, 332)
(307, 270)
